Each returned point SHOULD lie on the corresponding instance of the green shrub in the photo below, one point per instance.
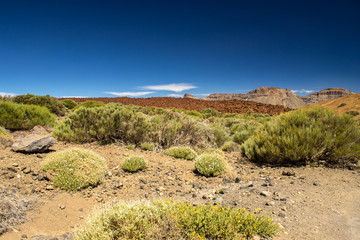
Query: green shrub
(69, 103)
(220, 134)
(342, 105)
(6, 139)
(134, 163)
(214, 151)
(181, 152)
(194, 113)
(209, 112)
(170, 220)
(76, 168)
(130, 147)
(15, 116)
(228, 146)
(305, 136)
(53, 104)
(90, 104)
(147, 146)
(352, 113)
(210, 165)
(131, 125)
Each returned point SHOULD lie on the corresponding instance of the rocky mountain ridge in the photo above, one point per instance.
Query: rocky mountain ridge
(279, 96)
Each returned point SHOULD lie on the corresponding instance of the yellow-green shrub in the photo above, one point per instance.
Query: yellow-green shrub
(228, 146)
(75, 168)
(90, 104)
(134, 163)
(210, 165)
(53, 104)
(181, 152)
(305, 136)
(171, 220)
(15, 116)
(147, 146)
(69, 103)
(6, 139)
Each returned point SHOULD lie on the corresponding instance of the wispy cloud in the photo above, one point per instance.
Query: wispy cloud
(174, 87)
(303, 91)
(3, 94)
(175, 95)
(74, 97)
(131, 94)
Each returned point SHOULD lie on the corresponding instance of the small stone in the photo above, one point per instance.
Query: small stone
(81, 210)
(24, 236)
(281, 215)
(15, 164)
(265, 193)
(11, 175)
(270, 203)
(26, 170)
(283, 208)
(237, 179)
(315, 183)
(218, 200)
(289, 172)
(62, 207)
(49, 187)
(12, 169)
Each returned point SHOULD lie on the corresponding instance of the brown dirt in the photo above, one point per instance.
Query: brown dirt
(316, 203)
(225, 106)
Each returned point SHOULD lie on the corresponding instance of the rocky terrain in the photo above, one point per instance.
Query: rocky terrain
(308, 202)
(232, 106)
(279, 96)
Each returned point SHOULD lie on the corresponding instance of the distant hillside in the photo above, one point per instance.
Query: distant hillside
(279, 96)
(341, 105)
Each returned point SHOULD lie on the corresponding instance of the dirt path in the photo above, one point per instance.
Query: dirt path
(315, 203)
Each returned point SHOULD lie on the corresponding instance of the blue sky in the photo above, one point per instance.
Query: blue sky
(168, 48)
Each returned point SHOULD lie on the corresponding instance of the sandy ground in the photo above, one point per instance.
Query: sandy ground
(312, 203)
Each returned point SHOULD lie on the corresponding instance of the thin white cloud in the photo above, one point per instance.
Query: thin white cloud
(74, 97)
(175, 95)
(5, 94)
(174, 87)
(303, 91)
(131, 94)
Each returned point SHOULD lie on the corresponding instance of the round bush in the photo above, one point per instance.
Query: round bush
(210, 165)
(134, 163)
(68, 103)
(76, 168)
(147, 146)
(90, 104)
(181, 152)
(6, 139)
(51, 103)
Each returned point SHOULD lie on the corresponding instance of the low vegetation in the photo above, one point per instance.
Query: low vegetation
(14, 116)
(171, 220)
(134, 163)
(75, 168)
(69, 104)
(6, 139)
(90, 104)
(147, 146)
(181, 152)
(210, 165)
(53, 104)
(305, 136)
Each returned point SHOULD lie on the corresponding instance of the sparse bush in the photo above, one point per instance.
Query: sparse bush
(6, 139)
(171, 220)
(220, 134)
(76, 168)
(69, 103)
(210, 165)
(134, 163)
(342, 105)
(53, 104)
(12, 210)
(147, 146)
(305, 136)
(15, 116)
(228, 146)
(214, 151)
(181, 152)
(352, 113)
(130, 147)
(194, 113)
(90, 104)
(209, 112)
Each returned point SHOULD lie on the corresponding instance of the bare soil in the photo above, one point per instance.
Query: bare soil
(309, 202)
(224, 106)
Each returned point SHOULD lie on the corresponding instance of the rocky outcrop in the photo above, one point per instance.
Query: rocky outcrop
(33, 143)
(279, 96)
(187, 95)
(326, 94)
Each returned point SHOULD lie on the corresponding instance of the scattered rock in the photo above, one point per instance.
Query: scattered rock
(237, 179)
(282, 215)
(26, 170)
(265, 193)
(270, 203)
(289, 172)
(33, 143)
(12, 169)
(62, 207)
(49, 187)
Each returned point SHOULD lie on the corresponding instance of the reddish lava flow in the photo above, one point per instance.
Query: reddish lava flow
(224, 106)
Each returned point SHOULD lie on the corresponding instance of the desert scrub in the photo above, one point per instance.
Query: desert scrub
(342, 105)
(134, 163)
(171, 220)
(305, 136)
(69, 103)
(214, 151)
(90, 104)
(209, 112)
(147, 146)
(75, 168)
(181, 152)
(53, 104)
(6, 139)
(130, 147)
(16, 116)
(210, 165)
(228, 146)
